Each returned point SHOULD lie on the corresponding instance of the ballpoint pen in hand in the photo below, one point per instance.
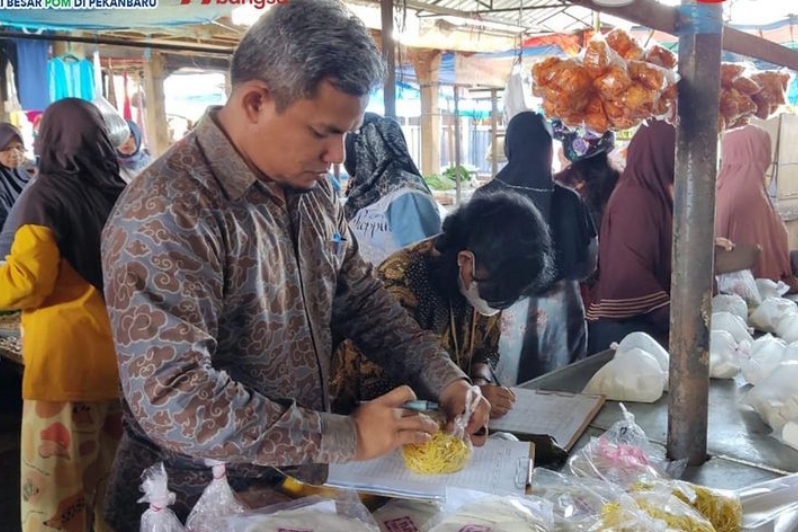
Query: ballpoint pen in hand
(420, 405)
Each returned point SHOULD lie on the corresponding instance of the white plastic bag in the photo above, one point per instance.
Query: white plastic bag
(730, 303)
(632, 375)
(726, 321)
(649, 345)
(725, 355)
(158, 517)
(775, 398)
(468, 510)
(787, 328)
(741, 283)
(770, 312)
(766, 353)
(216, 502)
(769, 288)
(308, 514)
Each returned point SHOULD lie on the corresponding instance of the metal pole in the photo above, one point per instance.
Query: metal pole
(494, 133)
(693, 238)
(388, 53)
(457, 145)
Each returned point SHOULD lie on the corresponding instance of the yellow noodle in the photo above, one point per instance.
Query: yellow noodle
(722, 509)
(444, 453)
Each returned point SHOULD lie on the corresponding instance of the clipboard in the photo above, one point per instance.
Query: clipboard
(561, 415)
(499, 467)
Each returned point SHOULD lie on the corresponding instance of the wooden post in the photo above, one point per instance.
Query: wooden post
(693, 238)
(494, 132)
(426, 64)
(158, 128)
(388, 53)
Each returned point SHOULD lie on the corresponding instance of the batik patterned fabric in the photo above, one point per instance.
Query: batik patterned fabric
(67, 452)
(223, 300)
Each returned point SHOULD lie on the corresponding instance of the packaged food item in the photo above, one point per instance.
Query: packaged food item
(309, 514)
(216, 502)
(476, 512)
(598, 56)
(661, 56)
(158, 517)
(722, 508)
(627, 46)
(444, 453)
(632, 375)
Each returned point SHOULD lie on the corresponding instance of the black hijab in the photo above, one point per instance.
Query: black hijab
(529, 149)
(77, 186)
(12, 180)
(378, 162)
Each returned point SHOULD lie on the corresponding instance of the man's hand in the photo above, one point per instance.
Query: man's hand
(453, 402)
(382, 425)
(501, 399)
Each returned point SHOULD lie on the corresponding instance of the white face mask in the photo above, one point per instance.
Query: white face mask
(472, 293)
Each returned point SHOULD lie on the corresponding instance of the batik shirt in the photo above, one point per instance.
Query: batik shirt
(223, 300)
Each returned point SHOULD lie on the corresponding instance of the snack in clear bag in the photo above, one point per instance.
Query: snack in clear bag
(624, 44)
(624, 515)
(734, 325)
(595, 116)
(444, 453)
(216, 502)
(772, 310)
(577, 502)
(730, 72)
(774, 397)
(468, 510)
(746, 85)
(613, 82)
(661, 56)
(633, 375)
(678, 515)
(767, 353)
(309, 514)
(725, 355)
(407, 515)
(730, 303)
(648, 75)
(598, 56)
(741, 283)
(722, 508)
(770, 288)
(158, 517)
(622, 455)
(542, 74)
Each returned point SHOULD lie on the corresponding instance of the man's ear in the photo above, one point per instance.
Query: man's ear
(465, 261)
(255, 98)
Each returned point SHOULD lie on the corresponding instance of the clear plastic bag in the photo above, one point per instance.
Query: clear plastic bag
(624, 515)
(468, 510)
(444, 453)
(308, 514)
(787, 328)
(770, 312)
(770, 288)
(767, 352)
(767, 501)
(677, 514)
(577, 501)
(634, 376)
(734, 325)
(403, 515)
(216, 502)
(649, 345)
(721, 507)
(741, 283)
(622, 455)
(730, 303)
(158, 517)
(775, 398)
(788, 434)
(116, 126)
(726, 355)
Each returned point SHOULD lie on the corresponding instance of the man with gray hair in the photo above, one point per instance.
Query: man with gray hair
(229, 269)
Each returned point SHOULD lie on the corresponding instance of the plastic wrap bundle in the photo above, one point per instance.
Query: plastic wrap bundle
(118, 130)
(741, 283)
(158, 517)
(614, 86)
(444, 453)
(745, 93)
(734, 325)
(770, 312)
(216, 502)
(775, 398)
(468, 510)
(769, 288)
(766, 354)
(645, 342)
(622, 455)
(632, 375)
(721, 507)
(726, 355)
(731, 303)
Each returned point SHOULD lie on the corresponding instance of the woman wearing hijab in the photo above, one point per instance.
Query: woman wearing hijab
(634, 284)
(744, 213)
(389, 206)
(547, 331)
(71, 420)
(492, 251)
(13, 176)
(133, 158)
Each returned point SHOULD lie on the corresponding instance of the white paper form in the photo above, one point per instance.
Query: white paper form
(500, 467)
(562, 415)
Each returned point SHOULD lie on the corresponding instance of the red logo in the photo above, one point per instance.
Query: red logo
(260, 4)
